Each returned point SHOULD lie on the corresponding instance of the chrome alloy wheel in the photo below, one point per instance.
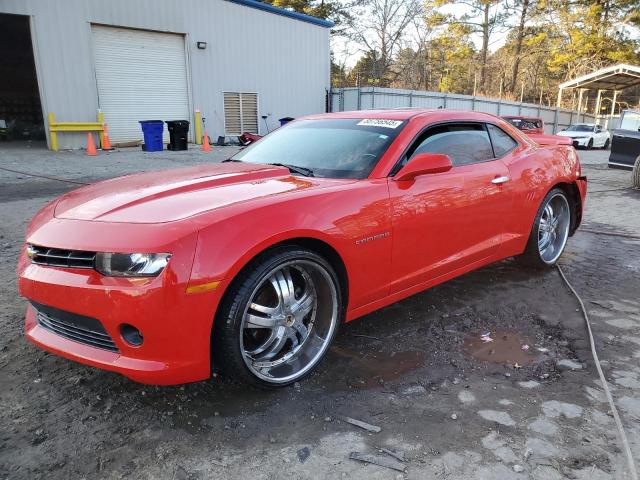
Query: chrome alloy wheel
(553, 228)
(289, 321)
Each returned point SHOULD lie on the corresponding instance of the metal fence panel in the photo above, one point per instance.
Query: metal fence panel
(365, 98)
(486, 106)
(391, 100)
(335, 102)
(547, 115)
(350, 100)
(529, 111)
(419, 100)
(460, 103)
(509, 109)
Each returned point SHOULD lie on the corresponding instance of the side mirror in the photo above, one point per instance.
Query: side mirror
(423, 164)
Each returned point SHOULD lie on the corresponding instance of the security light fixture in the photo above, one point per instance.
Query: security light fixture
(201, 45)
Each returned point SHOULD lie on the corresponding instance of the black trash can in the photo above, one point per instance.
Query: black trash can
(178, 133)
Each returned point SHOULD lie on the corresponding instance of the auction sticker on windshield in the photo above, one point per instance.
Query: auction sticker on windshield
(379, 122)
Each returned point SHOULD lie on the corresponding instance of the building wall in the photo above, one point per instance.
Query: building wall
(284, 60)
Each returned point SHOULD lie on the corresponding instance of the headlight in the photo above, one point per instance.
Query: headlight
(131, 264)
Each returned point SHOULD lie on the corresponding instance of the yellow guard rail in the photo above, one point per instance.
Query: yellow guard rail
(55, 127)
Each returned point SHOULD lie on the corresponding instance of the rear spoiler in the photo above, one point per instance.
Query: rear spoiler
(551, 139)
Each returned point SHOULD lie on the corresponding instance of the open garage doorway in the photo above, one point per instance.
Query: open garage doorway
(21, 120)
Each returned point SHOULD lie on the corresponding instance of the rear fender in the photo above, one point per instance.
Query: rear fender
(534, 175)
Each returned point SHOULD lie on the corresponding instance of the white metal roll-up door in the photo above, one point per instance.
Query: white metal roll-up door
(140, 76)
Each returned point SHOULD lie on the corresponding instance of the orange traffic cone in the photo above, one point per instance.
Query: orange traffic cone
(205, 143)
(91, 146)
(106, 143)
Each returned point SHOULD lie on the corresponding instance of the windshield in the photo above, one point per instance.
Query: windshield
(332, 148)
(580, 128)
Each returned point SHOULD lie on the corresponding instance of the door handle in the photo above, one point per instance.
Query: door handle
(500, 180)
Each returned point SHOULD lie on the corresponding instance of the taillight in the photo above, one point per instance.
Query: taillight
(578, 166)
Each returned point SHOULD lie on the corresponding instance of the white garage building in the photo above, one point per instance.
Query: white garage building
(242, 63)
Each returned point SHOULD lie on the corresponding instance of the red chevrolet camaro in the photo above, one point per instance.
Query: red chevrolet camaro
(251, 265)
(534, 128)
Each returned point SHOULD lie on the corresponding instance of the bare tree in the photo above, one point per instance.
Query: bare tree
(523, 9)
(381, 27)
(484, 17)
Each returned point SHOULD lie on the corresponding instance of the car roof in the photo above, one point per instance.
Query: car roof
(406, 114)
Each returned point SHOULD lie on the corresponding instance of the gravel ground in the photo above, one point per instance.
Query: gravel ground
(416, 369)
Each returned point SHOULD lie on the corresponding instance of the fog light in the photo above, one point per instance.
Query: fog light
(131, 335)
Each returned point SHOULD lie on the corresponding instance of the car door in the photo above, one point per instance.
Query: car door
(625, 141)
(446, 221)
(625, 148)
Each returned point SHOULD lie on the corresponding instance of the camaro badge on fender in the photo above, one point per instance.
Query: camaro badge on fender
(373, 237)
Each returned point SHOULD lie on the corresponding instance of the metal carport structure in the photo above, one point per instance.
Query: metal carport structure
(613, 78)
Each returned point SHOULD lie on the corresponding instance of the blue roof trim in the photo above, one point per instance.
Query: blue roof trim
(285, 13)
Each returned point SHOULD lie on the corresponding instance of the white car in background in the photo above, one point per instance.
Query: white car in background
(588, 135)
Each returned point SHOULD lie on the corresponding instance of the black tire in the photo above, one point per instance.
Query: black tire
(590, 144)
(606, 145)
(636, 173)
(532, 257)
(229, 330)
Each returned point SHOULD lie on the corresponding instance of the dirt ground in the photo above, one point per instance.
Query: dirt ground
(416, 369)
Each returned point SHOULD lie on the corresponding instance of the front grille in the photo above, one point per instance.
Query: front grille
(56, 257)
(82, 329)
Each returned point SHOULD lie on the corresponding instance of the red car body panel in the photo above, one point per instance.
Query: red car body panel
(387, 234)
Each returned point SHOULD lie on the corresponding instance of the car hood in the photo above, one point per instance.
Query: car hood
(574, 134)
(170, 195)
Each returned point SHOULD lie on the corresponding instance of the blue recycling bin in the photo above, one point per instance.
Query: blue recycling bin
(152, 133)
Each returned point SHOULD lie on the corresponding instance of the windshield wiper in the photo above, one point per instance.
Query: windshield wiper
(230, 160)
(307, 172)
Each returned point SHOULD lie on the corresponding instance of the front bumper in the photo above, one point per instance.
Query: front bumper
(581, 183)
(176, 326)
(580, 142)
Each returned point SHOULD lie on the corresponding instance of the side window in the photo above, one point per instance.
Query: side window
(502, 142)
(464, 143)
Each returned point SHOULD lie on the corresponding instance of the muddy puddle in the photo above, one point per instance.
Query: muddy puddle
(502, 346)
(371, 371)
